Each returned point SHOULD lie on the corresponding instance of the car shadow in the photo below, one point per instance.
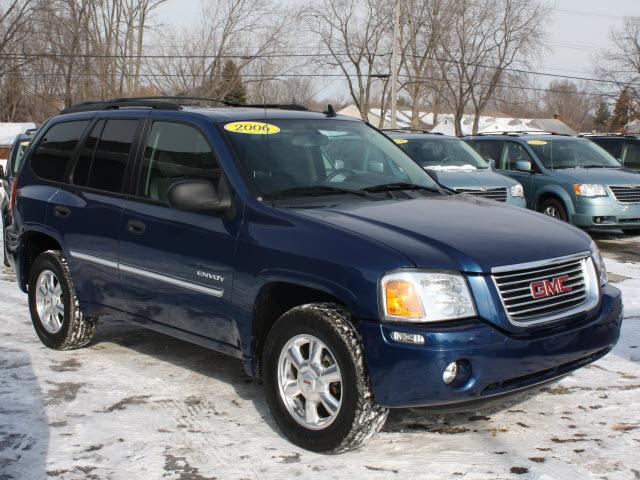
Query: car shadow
(189, 356)
(24, 427)
(230, 370)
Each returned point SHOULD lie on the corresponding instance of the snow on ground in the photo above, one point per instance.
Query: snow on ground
(140, 405)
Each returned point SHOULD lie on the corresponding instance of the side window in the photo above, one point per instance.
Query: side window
(111, 155)
(612, 146)
(631, 157)
(490, 150)
(511, 154)
(52, 156)
(83, 165)
(174, 151)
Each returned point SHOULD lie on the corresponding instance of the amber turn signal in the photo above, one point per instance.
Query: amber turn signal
(402, 300)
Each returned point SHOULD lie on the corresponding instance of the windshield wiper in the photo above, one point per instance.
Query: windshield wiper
(387, 187)
(314, 190)
(599, 166)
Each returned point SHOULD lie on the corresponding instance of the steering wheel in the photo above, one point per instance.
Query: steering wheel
(340, 171)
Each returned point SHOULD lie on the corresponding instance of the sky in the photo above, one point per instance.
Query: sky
(576, 30)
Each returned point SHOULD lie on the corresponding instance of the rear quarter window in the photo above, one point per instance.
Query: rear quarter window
(54, 152)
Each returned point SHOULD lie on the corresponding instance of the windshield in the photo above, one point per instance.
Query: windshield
(19, 154)
(320, 156)
(442, 153)
(572, 153)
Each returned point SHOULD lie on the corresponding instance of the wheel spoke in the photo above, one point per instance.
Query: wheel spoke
(60, 308)
(330, 375)
(291, 389)
(311, 412)
(315, 352)
(295, 356)
(330, 403)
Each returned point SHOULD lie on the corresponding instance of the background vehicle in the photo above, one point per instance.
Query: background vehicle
(457, 166)
(18, 149)
(568, 178)
(349, 288)
(625, 148)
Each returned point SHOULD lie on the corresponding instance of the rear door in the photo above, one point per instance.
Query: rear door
(177, 267)
(87, 210)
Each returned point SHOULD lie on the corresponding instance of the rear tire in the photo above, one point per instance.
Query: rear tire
(631, 231)
(54, 307)
(352, 417)
(552, 207)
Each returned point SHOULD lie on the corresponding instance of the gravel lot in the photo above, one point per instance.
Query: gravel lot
(139, 405)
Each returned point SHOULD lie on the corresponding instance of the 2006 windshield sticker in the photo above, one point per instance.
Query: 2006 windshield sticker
(252, 128)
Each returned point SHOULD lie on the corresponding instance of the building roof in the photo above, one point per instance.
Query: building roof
(445, 122)
(9, 131)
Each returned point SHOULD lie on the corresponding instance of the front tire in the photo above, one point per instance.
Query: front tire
(54, 307)
(316, 382)
(554, 208)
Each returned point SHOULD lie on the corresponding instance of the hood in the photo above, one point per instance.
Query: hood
(604, 176)
(471, 178)
(457, 232)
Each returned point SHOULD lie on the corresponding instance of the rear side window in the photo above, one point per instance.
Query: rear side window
(103, 158)
(54, 152)
(174, 151)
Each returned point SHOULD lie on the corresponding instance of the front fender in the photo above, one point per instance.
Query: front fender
(559, 192)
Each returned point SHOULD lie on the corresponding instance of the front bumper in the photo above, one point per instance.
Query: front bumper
(612, 213)
(405, 375)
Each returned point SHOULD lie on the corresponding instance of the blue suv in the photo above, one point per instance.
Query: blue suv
(348, 287)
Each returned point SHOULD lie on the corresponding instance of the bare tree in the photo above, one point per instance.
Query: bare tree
(571, 102)
(357, 34)
(424, 22)
(486, 38)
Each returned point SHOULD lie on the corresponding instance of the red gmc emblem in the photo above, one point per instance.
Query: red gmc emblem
(549, 288)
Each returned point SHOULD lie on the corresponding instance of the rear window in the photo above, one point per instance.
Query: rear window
(54, 152)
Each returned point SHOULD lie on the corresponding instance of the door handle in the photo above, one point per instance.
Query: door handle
(62, 212)
(135, 227)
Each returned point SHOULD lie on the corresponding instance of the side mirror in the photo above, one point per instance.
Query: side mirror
(524, 166)
(200, 196)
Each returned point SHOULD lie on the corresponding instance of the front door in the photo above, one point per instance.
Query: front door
(176, 267)
(512, 153)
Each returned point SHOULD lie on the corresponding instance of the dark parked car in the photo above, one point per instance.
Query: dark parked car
(457, 166)
(626, 148)
(18, 149)
(568, 178)
(348, 288)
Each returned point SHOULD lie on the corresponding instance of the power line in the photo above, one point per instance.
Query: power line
(293, 54)
(276, 76)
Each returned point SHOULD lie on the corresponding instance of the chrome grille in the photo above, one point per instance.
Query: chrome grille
(627, 194)
(497, 194)
(517, 292)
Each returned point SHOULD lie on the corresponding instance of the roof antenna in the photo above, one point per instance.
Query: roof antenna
(330, 111)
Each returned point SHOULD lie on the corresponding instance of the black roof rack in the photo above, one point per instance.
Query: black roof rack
(167, 103)
(612, 135)
(409, 130)
(120, 103)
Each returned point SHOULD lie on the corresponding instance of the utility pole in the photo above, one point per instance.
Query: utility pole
(395, 60)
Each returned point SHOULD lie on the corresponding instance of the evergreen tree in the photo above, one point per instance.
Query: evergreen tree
(601, 119)
(621, 112)
(231, 86)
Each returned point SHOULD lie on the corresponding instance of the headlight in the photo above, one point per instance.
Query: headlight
(589, 190)
(517, 191)
(599, 263)
(425, 297)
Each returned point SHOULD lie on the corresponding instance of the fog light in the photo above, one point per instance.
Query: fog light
(450, 373)
(598, 219)
(411, 338)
